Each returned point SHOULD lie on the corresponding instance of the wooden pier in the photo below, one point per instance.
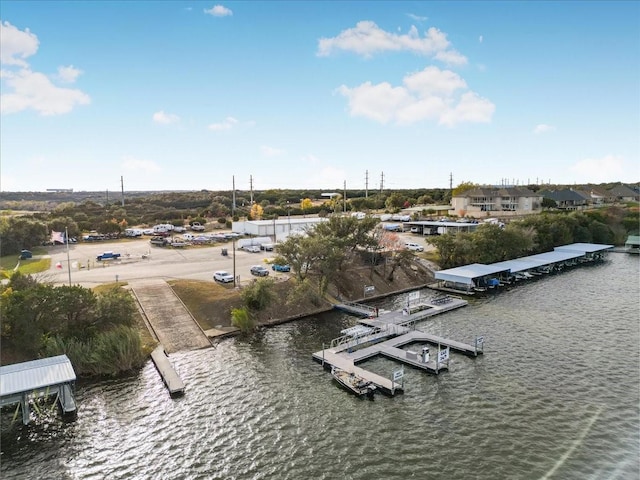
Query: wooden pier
(169, 376)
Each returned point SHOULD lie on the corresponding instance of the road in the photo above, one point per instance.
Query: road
(192, 263)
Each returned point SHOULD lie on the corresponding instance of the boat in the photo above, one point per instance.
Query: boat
(353, 383)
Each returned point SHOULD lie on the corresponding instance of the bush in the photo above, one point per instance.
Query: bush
(242, 319)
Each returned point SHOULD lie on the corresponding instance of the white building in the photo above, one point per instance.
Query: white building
(279, 229)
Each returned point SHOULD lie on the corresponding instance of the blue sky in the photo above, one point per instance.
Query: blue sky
(301, 94)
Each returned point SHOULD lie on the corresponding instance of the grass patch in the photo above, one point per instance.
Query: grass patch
(28, 266)
(209, 303)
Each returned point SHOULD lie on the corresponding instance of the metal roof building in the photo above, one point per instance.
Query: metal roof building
(22, 382)
(479, 275)
(466, 274)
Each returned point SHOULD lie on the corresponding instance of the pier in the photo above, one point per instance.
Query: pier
(386, 333)
(26, 382)
(169, 376)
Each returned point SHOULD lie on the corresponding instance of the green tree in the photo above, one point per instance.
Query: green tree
(464, 187)
(258, 295)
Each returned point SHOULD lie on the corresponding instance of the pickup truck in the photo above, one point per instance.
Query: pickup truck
(108, 256)
(197, 227)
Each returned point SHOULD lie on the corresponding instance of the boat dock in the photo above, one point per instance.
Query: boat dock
(169, 376)
(329, 358)
(386, 333)
(22, 384)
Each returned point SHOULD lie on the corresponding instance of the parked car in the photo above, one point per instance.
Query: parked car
(280, 268)
(223, 277)
(252, 248)
(414, 247)
(24, 254)
(259, 271)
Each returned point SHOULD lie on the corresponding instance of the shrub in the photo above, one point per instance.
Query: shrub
(242, 319)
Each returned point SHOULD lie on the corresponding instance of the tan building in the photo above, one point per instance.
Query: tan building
(487, 201)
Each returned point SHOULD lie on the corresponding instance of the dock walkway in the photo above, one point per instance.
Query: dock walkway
(169, 375)
(330, 358)
(390, 331)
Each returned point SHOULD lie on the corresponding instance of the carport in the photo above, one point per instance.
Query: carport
(469, 277)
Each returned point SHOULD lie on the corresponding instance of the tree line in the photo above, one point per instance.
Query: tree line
(96, 331)
(535, 234)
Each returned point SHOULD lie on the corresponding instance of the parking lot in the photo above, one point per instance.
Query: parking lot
(139, 260)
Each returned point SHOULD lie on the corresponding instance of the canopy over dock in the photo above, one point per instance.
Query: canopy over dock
(22, 382)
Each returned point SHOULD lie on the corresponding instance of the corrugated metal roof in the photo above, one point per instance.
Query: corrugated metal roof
(467, 273)
(519, 264)
(27, 376)
(584, 247)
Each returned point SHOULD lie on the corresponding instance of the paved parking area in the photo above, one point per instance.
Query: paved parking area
(194, 263)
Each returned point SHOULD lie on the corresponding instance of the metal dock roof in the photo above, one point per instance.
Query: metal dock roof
(467, 273)
(584, 247)
(28, 376)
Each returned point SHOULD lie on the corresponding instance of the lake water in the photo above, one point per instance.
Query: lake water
(556, 395)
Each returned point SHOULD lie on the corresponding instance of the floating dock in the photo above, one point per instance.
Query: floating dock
(386, 333)
(169, 376)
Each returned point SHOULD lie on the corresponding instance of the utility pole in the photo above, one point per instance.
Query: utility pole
(122, 188)
(107, 196)
(344, 198)
(233, 196)
(251, 188)
(366, 184)
(381, 182)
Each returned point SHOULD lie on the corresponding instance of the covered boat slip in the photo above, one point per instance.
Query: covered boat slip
(478, 276)
(22, 382)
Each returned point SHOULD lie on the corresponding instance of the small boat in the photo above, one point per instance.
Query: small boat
(353, 383)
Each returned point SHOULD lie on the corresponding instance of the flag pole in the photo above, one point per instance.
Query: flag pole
(66, 238)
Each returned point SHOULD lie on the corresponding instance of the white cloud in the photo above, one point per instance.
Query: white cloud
(366, 39)
(16, 45)
(480, 38)
(417, 18)
(33, 90)
(436, 94)
(219, 11)
(69, 74)
(609, 168)
(227, 124)
(24, 89)
(165, 118)
(270, 151)
(138, 165)
(542, 128)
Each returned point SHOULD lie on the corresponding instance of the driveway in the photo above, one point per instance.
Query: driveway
(192, 263)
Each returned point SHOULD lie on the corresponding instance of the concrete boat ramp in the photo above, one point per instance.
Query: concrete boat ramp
(172, 325)
(386, 333)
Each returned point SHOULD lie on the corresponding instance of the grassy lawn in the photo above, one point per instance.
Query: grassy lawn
(27, 267)
(209, 303)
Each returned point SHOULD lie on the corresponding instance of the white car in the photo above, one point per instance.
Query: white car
(223, 277)
(414, 246)
(252, 248)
